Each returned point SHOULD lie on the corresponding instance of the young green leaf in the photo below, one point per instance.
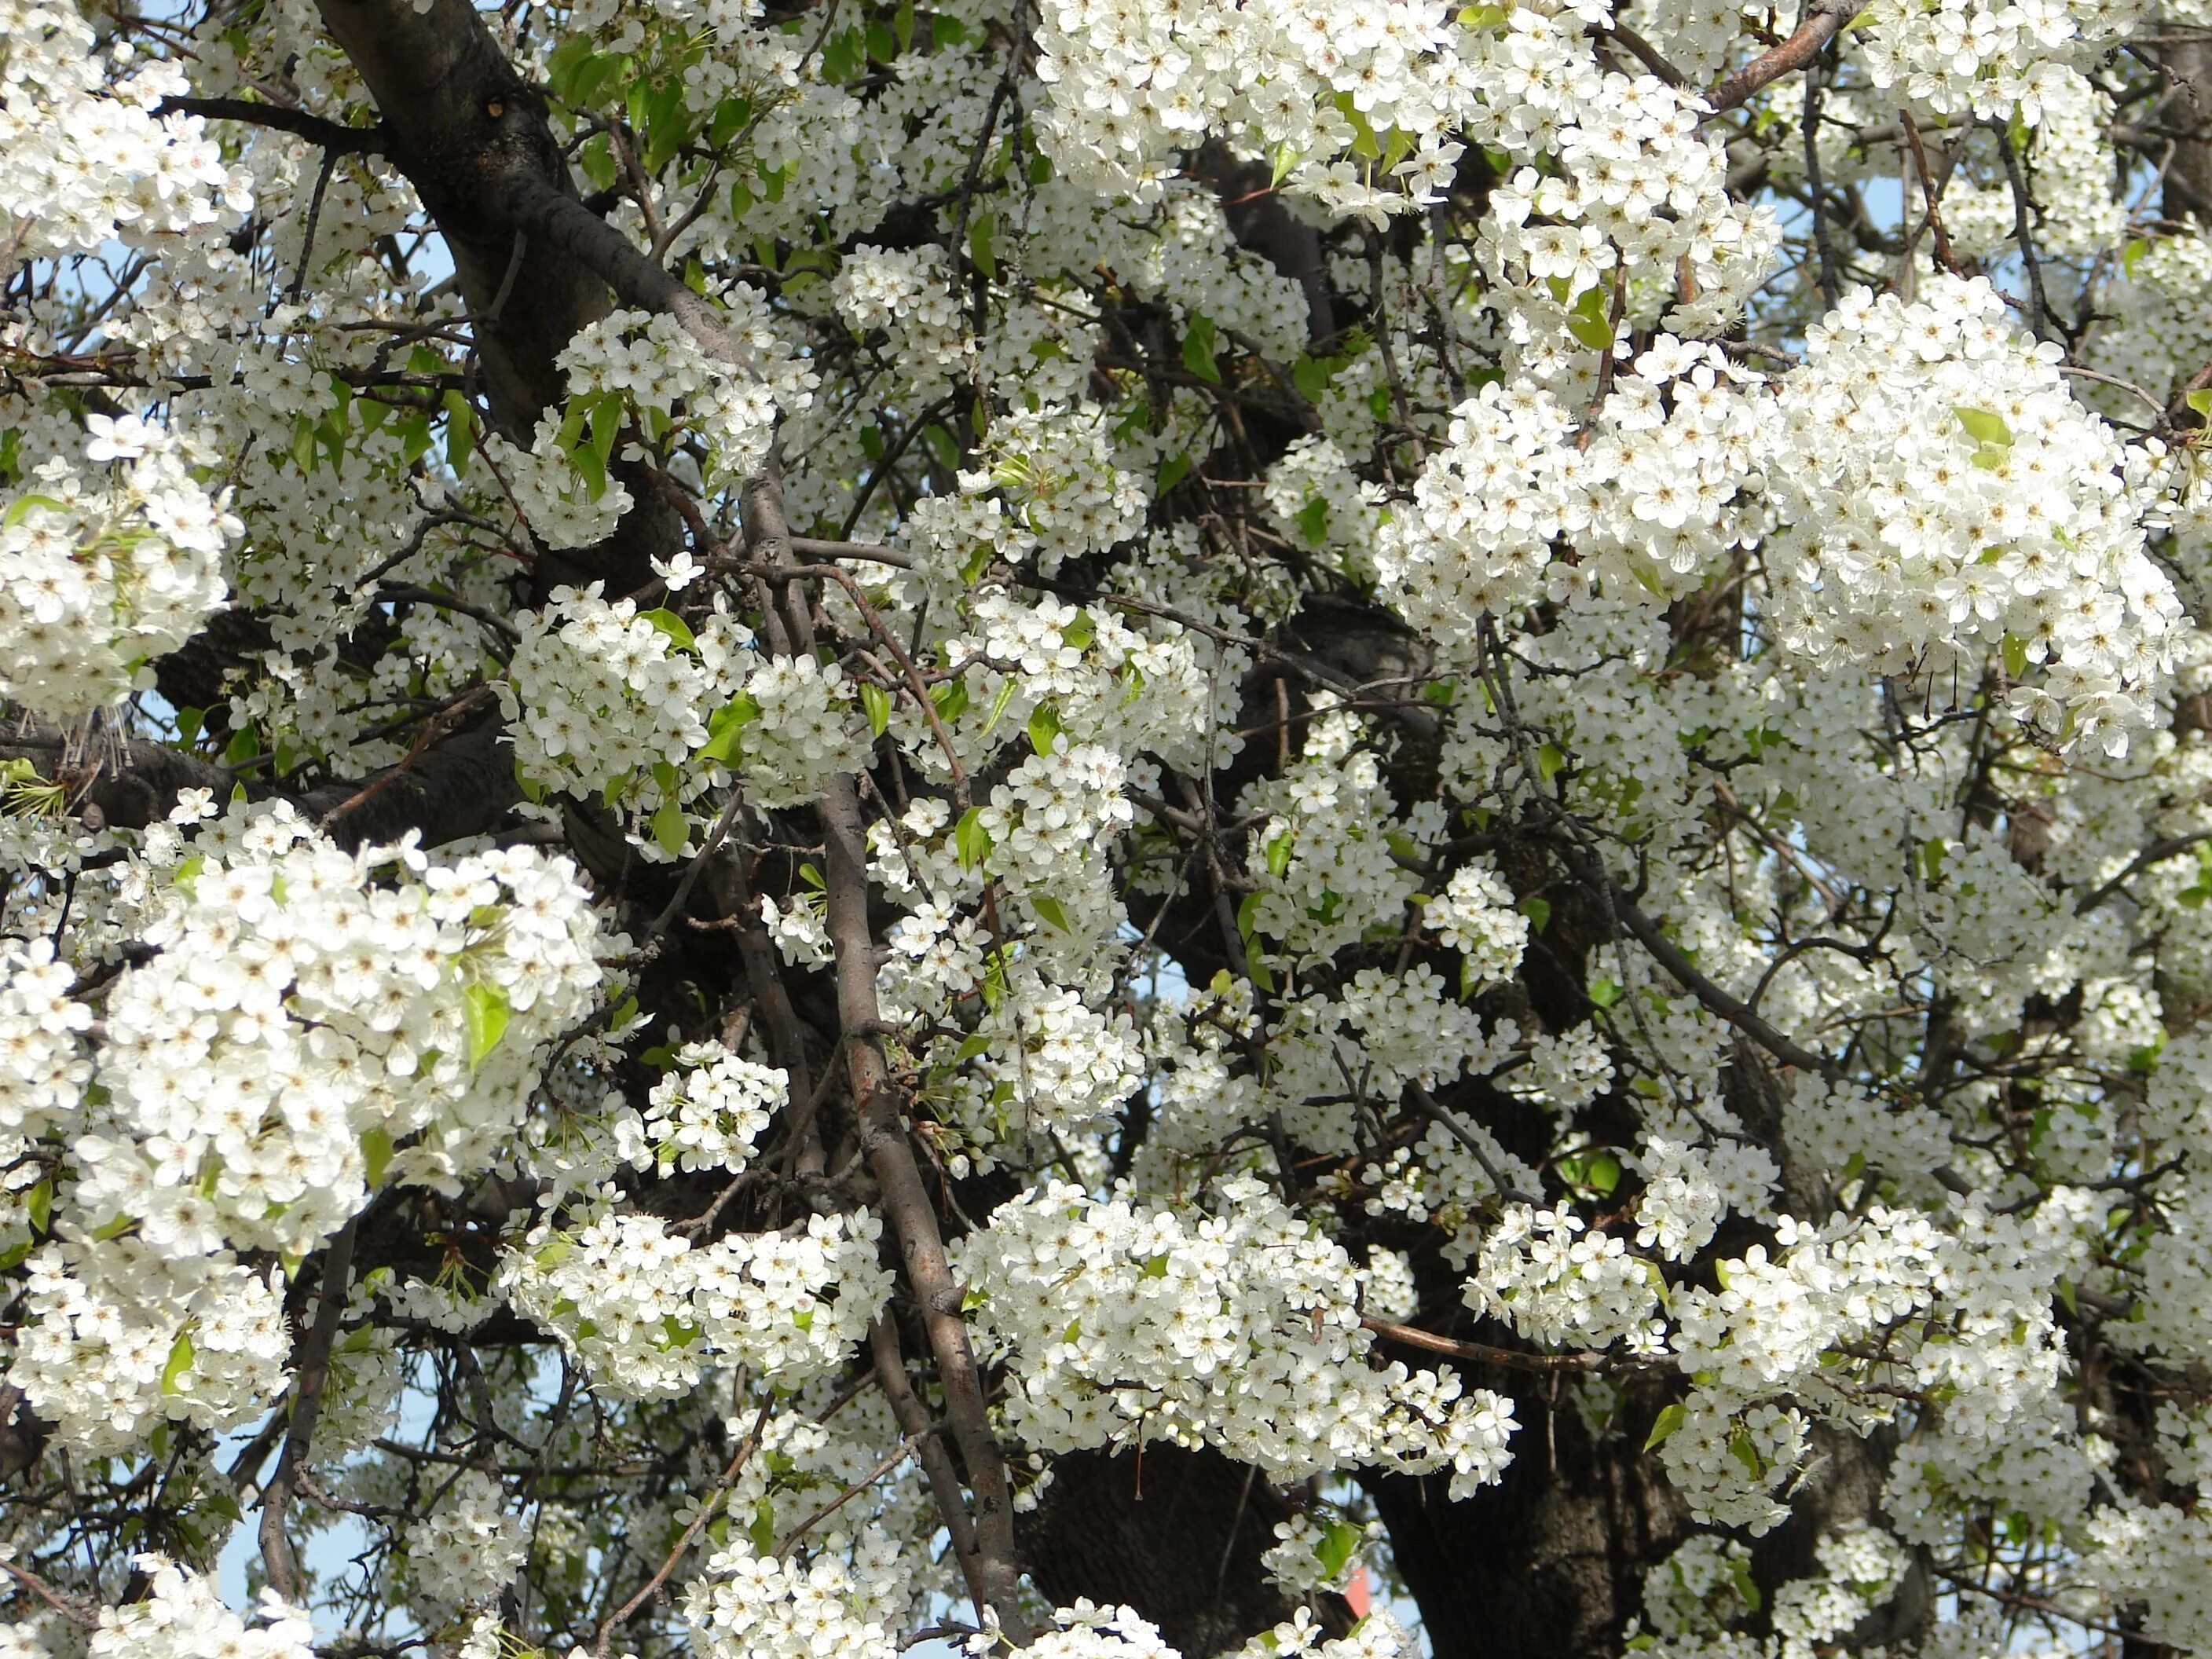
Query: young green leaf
(485, 1012)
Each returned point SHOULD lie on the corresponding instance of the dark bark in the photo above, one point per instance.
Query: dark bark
(461, 787)
(469, 132)
(1548, 1564)
(2187, 107)
(1176, 1533)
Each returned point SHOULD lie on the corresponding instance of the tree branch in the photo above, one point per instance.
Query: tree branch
(334, 137)
(1668, 955)
(1823, 20)
(879, 1107)
(277, 1558)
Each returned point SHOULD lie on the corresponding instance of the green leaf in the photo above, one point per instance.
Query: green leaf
(1313, 521)
(998, 705)
(1173, 470)
(727, 723)
(460, 433)
(485, 1011)
(950, 699)
(1604, 992)
(181, 1353)
(1333, 1549)
(679, 635)
(41, 1204)
(1198, 349)
(1483, 17)
(376, 1152)
(877, 703)
(1049, 909)
(1312, 375)
(606, 424)
(1589, 321)
(2201, 401)
(970, 839)
(1538, 912)
(671, 830)
(1044, 727)
(942, 447)
(1278, 854)
(1601, 1171)
(1549, 759)
(1745, 1587)
(1983, 426)
(2015, 656)
(1666, 1422)
(1740, 1447)
(982, 235)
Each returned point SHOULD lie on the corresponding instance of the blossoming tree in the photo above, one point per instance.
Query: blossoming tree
(1036, 820)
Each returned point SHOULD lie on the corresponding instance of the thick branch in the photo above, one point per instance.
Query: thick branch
(460, 787)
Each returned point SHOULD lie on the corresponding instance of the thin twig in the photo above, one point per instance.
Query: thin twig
(651, 1588)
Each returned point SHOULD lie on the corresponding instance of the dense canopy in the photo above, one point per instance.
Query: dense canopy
(1082, 824)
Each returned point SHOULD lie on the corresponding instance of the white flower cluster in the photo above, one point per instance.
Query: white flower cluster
(1861, 1565)
(1476, 915)
(1324, 862)
(118, 1339)
(1320, 86)
(310, 1010)
(89, 162)
(1948, 495)
(313, 1023)
(1064, 492)
(467, 1550)
(100, 572)
(183, 1617)
(603, 699)
(750, 1604)
(1238, 1330)
(1316, 498)
(1988, 59)
(1089, 1632)
(706, 1114)
(907, 294)
(1555, 1279)
(646, 1309)
(2160, 1556)
(1478, 537)
(1700, 1589)
(1636, 188)
(559, 506)
(1689, 1189)
(1307, 1555)
(666, 377)
(808, 729)
(43, 1068)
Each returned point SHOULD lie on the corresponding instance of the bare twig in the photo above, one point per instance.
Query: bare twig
(651, 1588)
